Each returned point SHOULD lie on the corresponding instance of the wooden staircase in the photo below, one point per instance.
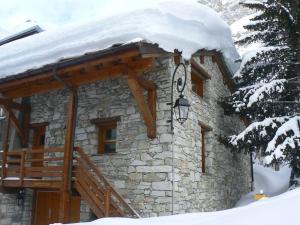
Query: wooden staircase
(19, 171)
(95, 189)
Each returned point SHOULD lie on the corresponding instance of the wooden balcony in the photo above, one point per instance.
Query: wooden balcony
(43, 168)
(32, 168)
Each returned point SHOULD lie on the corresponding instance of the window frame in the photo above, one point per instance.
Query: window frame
(198, 83)
(203, 130)
(103, 125)
(198, 77)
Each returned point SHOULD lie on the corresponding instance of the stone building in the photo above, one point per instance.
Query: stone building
(94, 127)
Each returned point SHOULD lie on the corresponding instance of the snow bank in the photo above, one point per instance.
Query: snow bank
(268, 181)
(187, 26)
(282, 209)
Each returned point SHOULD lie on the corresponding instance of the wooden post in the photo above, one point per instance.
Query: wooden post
(5, 145)
(107, 202)
(22, 167)
(66, 189)
(144, 108)
(202, 150)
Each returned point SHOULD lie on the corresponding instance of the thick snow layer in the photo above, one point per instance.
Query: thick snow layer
(279, 210)
(187, 26)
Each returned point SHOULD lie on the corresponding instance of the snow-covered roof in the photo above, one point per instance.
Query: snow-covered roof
(186, 26)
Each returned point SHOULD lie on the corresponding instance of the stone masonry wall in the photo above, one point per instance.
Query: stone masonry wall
(141, 169)
(13, 214)
(227, 175)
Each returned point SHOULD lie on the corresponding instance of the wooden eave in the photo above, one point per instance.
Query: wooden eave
(199, 70)
(91, 67)
(217, 58)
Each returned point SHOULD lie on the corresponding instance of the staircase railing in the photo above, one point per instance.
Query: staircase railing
(102, 198)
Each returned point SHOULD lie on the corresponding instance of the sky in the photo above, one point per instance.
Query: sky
(50, 14)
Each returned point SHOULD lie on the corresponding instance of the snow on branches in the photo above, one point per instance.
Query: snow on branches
(265, 95)
(276, 135)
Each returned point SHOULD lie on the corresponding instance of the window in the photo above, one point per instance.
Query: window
(107, 139)
(107, 135)
(203, 128)
(197, 85)
(198, 77)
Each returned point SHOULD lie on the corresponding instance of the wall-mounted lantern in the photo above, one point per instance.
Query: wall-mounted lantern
(181, 106)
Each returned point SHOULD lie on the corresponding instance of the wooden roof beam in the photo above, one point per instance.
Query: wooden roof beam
(47, 71)
(17, 125)
(10, 104)
(199, 71)
(147, 109)
(76, 78)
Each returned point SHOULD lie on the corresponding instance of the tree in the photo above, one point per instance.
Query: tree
(268, 84)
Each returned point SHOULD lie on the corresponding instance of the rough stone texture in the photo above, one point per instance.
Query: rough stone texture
(13, 214)
(227, 176)
(141, 169)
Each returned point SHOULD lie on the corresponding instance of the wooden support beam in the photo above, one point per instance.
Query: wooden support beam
(18, 106)
(107, 196)
(5, 143)
(17, 125)
(44, 75)
(198, 69)
(64, 213)
(144, 108)
(108, 71)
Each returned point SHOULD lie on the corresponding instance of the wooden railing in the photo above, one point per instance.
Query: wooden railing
(32, 167)
(103, 199)
(33, 164)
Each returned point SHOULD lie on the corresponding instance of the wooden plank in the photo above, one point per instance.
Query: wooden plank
(43, 174)
(143, 106)
(22, 167)
(46, 75)
(203, 155)
(92, 205)
(146, 84)
(67, 171)
(17, 125)
(10, 104)
(97, 199)
(77, 78)
(5, 145)
(44, 168)
(152, 104)
(199, 69)
(107, 197)
(46, 159)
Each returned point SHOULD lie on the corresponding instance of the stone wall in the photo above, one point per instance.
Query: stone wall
(227, 176)
(13, 214)
(141, 168)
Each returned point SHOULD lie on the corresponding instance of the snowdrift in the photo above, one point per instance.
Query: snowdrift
(279, 210)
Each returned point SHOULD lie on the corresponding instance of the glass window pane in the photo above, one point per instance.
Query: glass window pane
(109, 147)
(111, 134)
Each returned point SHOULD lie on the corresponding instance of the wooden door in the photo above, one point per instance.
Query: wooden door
(46, 208)
(38, 143)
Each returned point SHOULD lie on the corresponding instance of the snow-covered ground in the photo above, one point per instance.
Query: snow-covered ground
(282, 209)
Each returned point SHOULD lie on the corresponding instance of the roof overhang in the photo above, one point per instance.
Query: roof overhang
(217, 57)
(104, 64)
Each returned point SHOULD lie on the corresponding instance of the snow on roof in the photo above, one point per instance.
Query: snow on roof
(187, 26)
